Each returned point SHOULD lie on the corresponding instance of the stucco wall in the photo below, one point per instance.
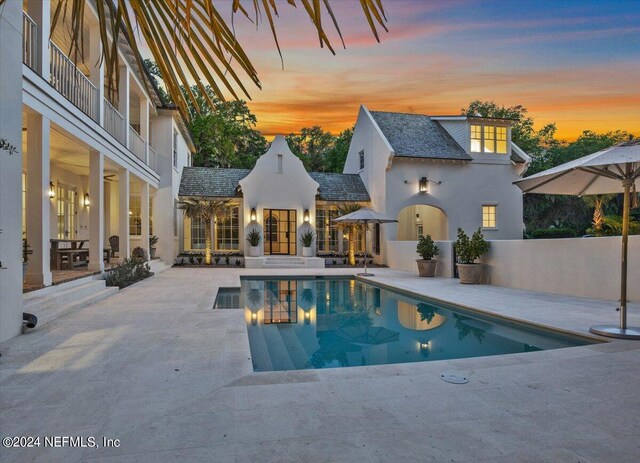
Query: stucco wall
(587, 267)
(402, 256)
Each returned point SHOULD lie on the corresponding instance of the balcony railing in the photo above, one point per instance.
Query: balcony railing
(137, 144)
(67, 79)
(153, 160)
(29, 42)
(114, 122)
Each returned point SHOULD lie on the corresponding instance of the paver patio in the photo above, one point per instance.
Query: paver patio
(155, 367)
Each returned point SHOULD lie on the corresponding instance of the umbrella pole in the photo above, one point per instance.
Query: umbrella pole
(625, 247)
(622, 331)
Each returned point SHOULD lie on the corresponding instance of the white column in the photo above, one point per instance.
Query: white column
(11, 170)
(38, 201)
(40, 12)
(144, 217)
(96, 211)
(96, 73)
(123, 101)
(123, 214)
(144, 126)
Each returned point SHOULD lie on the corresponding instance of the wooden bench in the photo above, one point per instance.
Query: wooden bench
(69, 256)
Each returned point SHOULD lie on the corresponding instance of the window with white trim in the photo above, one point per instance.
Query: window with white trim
(135, 216)
(198, 235)
(489, 216)
(488, 139)
(227, 231)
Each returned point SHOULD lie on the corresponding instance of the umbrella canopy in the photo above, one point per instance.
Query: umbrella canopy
(612, 170)
(595, 174)
(366, 216)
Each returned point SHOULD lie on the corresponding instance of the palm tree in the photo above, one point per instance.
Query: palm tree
(205, 210)
(597, 202)
(189, 39)
(349, 228)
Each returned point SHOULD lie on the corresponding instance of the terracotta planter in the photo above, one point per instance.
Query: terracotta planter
(307, 252)
(427, 268)
(469, 273)
(152, 252)
(254, 251)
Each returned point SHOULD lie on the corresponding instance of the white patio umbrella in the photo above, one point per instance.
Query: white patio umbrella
(612, 170)
(365, 216)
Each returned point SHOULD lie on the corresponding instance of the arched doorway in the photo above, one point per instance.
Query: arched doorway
(421, 219)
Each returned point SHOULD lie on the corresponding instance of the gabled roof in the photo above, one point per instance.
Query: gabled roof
(223, 183)
(418, 136)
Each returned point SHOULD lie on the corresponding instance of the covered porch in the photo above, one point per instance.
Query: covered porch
(82, 211)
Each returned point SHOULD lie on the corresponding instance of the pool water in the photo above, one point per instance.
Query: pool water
(296, 324)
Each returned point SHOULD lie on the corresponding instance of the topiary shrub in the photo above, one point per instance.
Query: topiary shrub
(426, 248)
(128, 272)
(469, 249)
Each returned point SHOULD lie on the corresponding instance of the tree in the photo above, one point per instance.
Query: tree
(205, 209)
(188, 39)
(311, 146)
(349, 228)
(337, 155)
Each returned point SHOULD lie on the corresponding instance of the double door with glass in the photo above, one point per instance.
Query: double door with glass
(280, 232)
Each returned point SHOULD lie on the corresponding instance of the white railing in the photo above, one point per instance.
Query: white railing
(137, 144)
(29, 41)
(153, 160)
(113, 121)
(67, 79)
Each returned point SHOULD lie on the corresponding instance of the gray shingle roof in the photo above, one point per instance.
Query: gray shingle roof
(222, 183)
(210, 182)
(418, 136)
(340, 187)
(515, 157)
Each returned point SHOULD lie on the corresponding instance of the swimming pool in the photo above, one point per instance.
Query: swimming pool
(296, 323)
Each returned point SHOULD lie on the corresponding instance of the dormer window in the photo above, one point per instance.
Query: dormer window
(488, 139)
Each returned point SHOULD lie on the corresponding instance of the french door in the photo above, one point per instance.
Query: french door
(280, 232)
(67, 211)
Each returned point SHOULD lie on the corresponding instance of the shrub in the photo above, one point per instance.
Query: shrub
(335, 262)
(139, 253)
(227, 259)
(216, 259)
(199, 259)
(306, 238)
(153, 240)
(564, 232)
(469, 249)
(128, 272)
(192, 259)
(426, 248)
(254, 238)
(238, 262)
(344, 261)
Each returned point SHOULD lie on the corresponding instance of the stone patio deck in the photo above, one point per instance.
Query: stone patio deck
(155, 367)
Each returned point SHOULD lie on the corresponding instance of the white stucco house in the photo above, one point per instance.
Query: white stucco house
(89, 166)
(434, 174)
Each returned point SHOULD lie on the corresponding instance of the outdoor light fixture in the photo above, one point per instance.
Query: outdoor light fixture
(306, 215)
(86, 200)
(130, 213)
(417, 217)
(253, 214)
(424, 183)
(254, 318)
(307, 318)
(52, 190)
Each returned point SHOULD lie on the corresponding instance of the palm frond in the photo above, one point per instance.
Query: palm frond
(189, 40)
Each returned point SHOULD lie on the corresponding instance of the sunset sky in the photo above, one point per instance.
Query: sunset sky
(573, 62)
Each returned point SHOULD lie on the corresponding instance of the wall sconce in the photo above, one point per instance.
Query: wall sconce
(87, 202)
(417, 217)
(307, 318)
(52, 190)
(306, 215)
(254, 318)
(424, 184)
(130, 213)
(254, 216)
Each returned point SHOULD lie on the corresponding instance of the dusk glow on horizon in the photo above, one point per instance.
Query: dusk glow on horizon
(575, 62)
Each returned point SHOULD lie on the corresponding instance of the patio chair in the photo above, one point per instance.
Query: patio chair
(114, 243)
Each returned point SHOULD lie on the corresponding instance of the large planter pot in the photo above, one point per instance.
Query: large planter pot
(469, 273)
(427, 268)
(152, 252)
(254, 251)
(307, 252)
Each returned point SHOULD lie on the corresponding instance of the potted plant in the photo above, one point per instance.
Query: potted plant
(254, 238)
(306, 240)
(467, 251)
(427, 249)
(153, 240)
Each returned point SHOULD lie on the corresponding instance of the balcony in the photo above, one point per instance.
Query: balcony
(71, 83)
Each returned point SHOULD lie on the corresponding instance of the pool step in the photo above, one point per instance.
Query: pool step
(296, 350)
(278, 353)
